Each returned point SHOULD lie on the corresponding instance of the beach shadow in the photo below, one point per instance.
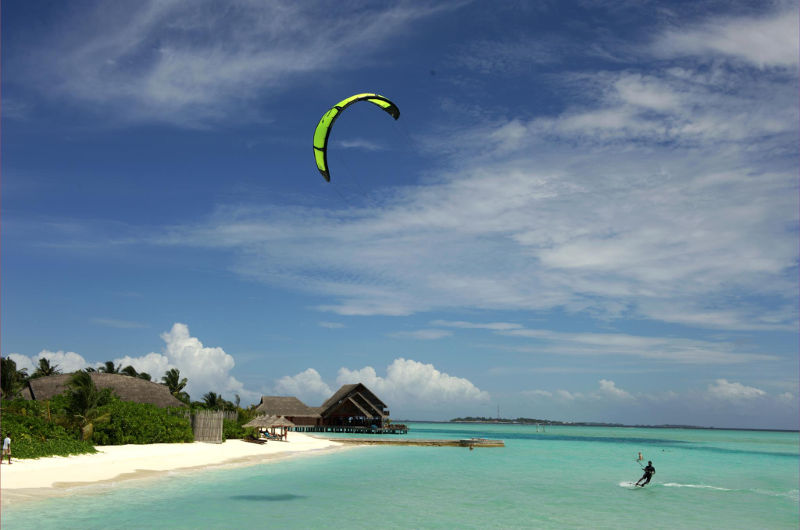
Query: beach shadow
(278, 497)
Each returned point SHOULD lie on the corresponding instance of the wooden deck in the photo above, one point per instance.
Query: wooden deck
(471, 442)
(352, 429)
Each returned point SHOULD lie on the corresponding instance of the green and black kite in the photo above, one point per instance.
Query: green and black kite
(323, 130)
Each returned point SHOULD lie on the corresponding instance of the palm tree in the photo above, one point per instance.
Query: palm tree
(129, 370)
(83, 402)
(212, 400)
(109, 368)
(11, 379)
(172, 378)
(45, 368)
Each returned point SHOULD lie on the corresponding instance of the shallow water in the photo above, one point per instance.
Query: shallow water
(566, 477)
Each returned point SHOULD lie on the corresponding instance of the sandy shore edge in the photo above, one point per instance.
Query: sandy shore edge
(32, 479)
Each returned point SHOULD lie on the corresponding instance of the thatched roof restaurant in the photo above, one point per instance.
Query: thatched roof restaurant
(352, 405)
(126, 387)
(289, 407)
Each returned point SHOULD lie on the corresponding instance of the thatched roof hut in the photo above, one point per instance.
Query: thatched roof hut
(261, 422)
(290, 407)
(282, 422)
(126, 387)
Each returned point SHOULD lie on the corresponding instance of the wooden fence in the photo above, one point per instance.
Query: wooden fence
(207, 426)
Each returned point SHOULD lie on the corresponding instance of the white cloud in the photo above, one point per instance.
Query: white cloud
(671, 233)
(331, 325)
(666, 349)
(537, 393)
(154, 364)
(496, 326)
(722, 389)
(200, 62)
(608, 388)
(665, 193)
(411, 385)
(307, 386)
(360, 143)
(568, 396)
(207, 369)
(66, 362)
(767, 41)
(723, 404)
(114, 323)
(422, 334)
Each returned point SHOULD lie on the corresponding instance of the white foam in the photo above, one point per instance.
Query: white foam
(704, 486)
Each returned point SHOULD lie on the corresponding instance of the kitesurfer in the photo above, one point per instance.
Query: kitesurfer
(649, 471)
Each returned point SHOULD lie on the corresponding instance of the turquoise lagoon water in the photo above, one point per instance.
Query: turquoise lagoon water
(567, 477)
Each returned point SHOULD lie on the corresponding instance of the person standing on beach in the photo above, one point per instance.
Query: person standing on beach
(6, 449)
(649, 471)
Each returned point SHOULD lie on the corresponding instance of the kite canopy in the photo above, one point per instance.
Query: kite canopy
(323, 130)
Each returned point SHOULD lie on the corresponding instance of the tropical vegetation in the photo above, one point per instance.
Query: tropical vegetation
(84, 415)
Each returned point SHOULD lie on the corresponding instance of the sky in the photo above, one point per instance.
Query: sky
(587, 210)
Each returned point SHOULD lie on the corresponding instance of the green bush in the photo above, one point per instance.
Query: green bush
(35, 437)
(141, 423)
(232, 429)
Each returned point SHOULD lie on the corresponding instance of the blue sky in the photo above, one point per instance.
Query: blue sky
(587, 211)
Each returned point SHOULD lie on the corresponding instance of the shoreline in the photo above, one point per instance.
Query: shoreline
(31, 479)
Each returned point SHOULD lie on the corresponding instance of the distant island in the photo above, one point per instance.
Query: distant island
(534, 421)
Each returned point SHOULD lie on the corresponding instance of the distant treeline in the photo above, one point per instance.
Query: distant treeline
(484, 419)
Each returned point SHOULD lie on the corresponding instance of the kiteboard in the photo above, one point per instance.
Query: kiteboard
(629, 485)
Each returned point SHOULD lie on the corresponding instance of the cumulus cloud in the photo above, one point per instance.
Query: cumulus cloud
(567, 395)
(208, 369)
(65, 361)
(724, 390)
(154, 364)
(307, 386)
(537, 393)
(410, 384)
(608, 388)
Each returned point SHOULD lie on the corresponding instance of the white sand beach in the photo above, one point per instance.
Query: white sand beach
(122, 462)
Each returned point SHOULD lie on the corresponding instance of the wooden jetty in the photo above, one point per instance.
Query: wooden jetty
(353, 429)
(469, 442)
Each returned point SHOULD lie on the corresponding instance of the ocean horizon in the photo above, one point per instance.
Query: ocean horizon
(559, 477)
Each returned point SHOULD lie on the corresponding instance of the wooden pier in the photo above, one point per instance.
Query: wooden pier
(353, 429)
(470, 442)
